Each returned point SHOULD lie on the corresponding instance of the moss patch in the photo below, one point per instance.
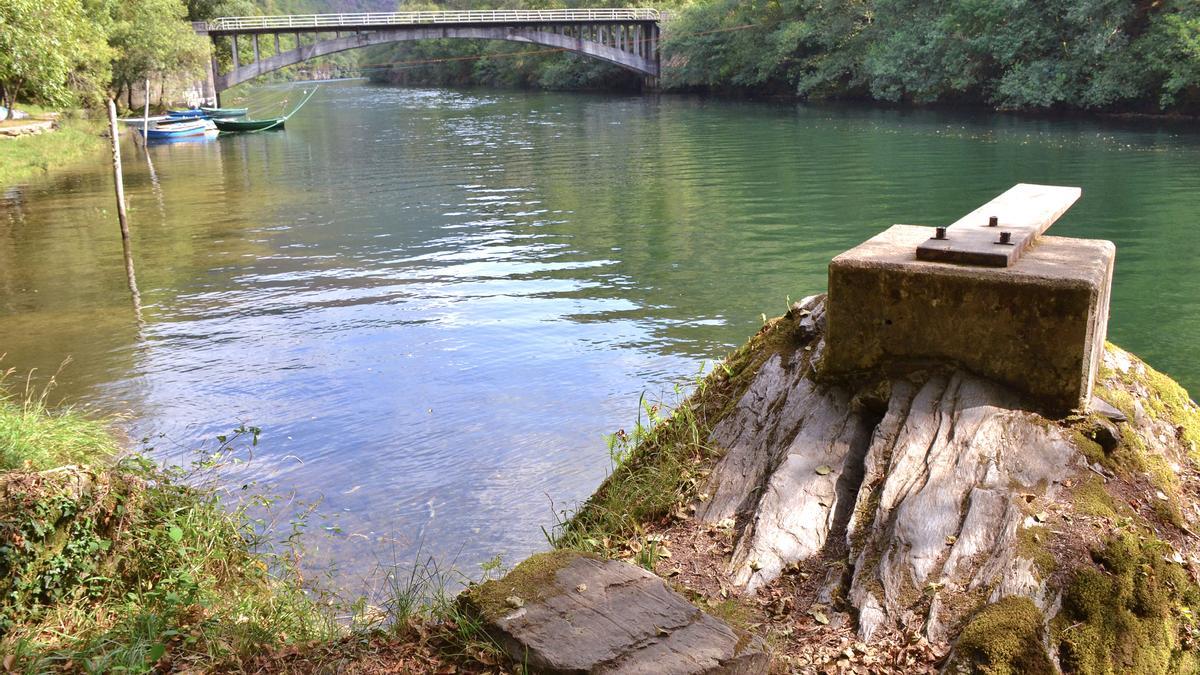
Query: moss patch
(1031, 546)
(660, 464)
(1003, 638)
(1092, 499)
(1123, 614)
(530, 581)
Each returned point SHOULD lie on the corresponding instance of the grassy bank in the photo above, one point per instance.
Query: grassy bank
(109, 563)
(26, 157)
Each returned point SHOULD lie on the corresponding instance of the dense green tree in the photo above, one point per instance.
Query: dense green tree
(1010, 54)
(46, 47)
(153, 38)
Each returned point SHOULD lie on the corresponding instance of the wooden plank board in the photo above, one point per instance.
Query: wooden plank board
(1024, 211)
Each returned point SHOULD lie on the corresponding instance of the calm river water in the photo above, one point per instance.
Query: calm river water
(435, 303)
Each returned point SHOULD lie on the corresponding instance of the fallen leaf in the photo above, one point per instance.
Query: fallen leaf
(581, 588)
(824, 470)
(820, 618)
(515, 602)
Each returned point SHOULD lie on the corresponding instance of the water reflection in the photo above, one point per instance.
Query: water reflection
(435, 302)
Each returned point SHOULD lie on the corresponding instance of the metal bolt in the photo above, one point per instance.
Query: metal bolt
(993, 221)
(940, 233)
(1005, 238)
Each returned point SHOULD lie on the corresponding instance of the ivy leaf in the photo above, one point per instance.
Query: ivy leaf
(175, 533)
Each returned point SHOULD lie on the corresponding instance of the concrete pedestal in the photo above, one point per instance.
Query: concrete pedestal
(1038, 326)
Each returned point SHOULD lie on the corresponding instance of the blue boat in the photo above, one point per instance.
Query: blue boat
(190, 112)
(188, 129)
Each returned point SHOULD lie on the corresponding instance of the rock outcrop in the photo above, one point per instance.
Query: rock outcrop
(941, 491)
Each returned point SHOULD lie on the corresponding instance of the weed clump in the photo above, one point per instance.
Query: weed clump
(111, 565)
(35, 436)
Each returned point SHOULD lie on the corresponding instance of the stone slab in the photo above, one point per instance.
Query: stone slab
(1022, 213)
(1038, 326)
(566, 612)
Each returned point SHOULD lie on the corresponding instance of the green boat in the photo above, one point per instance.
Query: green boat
(228, 124)
(225, 112)
(249, 125)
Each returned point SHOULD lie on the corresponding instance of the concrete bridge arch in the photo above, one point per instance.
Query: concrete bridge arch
(627, 38)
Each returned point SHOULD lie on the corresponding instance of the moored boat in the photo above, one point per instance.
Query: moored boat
(138, 121)
(190, 112)
(224, 112)
(249, 125)
(184, 129)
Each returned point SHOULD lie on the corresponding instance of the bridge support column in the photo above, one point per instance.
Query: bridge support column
(210, 78)
(277, 49)
(257, 58)
(237, 63)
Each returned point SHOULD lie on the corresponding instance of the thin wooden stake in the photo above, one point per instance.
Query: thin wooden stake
(146, 113)
(122, 217)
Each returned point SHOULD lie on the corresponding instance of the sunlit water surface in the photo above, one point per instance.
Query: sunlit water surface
(435, 303)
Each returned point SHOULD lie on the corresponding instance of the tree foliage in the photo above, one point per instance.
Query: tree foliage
(64, 52)
(46, 46)
(1009, 54)
(1137, 55)
(153, 38)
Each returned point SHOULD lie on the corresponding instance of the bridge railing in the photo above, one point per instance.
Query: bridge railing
(240, 23)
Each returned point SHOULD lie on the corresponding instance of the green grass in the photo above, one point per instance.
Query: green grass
(120, 565)
(112, 563)
(27, 157)
(33, 436)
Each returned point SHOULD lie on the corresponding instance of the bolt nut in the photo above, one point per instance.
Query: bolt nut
(1005, 238)
(940, 233)
(993, 221)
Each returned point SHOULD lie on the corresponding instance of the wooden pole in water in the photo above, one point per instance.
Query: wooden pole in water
(146, 113)
(122, 217)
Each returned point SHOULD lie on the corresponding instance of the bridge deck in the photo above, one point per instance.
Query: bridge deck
(376, 20)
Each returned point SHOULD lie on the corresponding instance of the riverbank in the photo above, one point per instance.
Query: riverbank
(113, 562)
(74, 138)
(1101, 569)
(109, 562)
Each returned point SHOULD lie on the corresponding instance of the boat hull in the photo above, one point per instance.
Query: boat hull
(224, 112)
(248, 125)
(180, 129)
(190, 113)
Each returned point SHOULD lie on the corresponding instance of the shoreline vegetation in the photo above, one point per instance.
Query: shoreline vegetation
(111, 562)
(75, 137)
(1065, 55)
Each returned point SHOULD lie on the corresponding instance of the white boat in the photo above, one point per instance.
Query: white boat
(137, 121)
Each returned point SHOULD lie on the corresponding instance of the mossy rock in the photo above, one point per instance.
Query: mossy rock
(1124, 614)
(1003, 638)
(529, 582)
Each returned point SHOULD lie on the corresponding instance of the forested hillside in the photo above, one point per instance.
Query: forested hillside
(1111, 55)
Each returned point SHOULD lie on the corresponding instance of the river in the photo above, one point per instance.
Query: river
(435, 303)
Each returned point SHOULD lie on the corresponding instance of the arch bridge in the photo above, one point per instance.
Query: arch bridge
(626, 37)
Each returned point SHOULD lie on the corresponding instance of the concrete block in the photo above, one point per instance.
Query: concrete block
(1038, 326)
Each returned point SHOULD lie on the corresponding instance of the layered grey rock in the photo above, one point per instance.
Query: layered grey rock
(919, 476)
(567, 612)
